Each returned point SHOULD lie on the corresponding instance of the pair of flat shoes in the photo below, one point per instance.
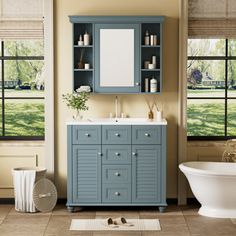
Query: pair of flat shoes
(118, 222)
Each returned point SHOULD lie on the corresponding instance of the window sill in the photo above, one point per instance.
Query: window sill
(22, 143)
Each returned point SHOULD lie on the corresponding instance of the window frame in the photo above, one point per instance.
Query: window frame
(224, 58)
(4, 58)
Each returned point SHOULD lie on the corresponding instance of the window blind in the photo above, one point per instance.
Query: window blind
(21, 19)
(212, 19)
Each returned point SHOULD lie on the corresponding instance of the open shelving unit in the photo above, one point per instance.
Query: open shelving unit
(147, 51)
(84, 54)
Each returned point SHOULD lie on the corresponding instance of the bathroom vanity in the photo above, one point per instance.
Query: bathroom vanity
(117, 54)
(116, 162)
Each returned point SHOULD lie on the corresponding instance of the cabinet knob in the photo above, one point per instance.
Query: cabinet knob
(99, 154)
(137, 84)
(147, 134)
(86, 134)
(117, 174)
(117, 193)
(117, 135)
(117, 154)
(134, 154)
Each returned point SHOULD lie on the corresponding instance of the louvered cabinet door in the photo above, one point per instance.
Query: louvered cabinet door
(87, 173)
(146, 174)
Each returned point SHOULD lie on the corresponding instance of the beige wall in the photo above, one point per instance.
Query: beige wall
(102, 105)
(17, 154)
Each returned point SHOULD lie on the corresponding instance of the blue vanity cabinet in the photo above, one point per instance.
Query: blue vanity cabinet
(116, 165)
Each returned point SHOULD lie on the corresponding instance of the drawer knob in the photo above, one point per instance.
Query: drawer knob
(117, 154)
(117, 193)
(99, 154)
(87, 134)
(117, 174)
(117, 135)
(147, 134)
(134, 154)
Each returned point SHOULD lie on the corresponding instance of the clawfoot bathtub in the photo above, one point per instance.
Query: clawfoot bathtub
(214, 186)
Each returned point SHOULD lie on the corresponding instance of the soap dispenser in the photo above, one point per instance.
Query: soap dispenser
(153, 85)
(86, 39)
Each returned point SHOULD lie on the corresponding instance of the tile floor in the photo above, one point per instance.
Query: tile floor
(176, 221)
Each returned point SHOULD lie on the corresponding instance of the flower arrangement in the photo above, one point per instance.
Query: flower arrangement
(77, 100)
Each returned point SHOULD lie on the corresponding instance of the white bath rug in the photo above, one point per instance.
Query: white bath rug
(101, 225)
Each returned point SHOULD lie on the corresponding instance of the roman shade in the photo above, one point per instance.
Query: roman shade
(212, 19)
(21, 19)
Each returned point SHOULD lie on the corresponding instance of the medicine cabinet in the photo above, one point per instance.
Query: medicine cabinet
(122, 55)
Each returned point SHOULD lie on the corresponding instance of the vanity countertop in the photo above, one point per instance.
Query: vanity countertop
(118, 121)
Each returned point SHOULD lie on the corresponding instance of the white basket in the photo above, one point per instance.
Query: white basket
(24, 179)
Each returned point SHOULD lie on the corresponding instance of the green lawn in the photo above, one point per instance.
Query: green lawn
(207, 118)
(24, 118)
(23, 93)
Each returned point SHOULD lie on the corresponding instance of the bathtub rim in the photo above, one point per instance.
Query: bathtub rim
(196, 171)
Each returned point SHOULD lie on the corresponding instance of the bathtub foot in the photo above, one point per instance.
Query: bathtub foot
(162, 209)
(217, 212)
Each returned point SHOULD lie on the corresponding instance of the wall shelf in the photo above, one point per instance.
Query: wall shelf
(83, 70)
(150, 70)
(150, 46)
(87, 46)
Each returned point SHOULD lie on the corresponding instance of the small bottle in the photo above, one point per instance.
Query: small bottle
(152, 40)
(153, 85)
(146, 39)
(146, 85)
(154, 61)
(80, 42)
(150, 115)
(86, 39)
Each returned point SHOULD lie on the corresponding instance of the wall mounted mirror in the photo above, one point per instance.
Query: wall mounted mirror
(116, 57)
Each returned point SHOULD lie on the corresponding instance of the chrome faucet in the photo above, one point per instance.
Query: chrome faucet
(116, 108)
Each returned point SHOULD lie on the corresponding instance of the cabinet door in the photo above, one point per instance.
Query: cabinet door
(146, 174)
(86, 173)
(117, 58)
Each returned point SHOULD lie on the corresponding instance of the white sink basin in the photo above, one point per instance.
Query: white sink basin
(119, 120)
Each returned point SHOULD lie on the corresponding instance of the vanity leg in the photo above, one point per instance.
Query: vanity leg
(162, 209)
(72, 209)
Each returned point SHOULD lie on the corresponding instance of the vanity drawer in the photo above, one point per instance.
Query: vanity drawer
(116, 173)
(116, 134)
(86, 134)
(116, 154)
(144, 134)
(116, 193)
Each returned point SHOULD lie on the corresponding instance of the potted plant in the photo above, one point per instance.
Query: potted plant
(77, 100)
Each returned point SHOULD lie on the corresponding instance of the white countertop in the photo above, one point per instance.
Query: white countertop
(118, 121)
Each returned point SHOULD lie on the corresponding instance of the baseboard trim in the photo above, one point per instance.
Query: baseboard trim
(170, 201)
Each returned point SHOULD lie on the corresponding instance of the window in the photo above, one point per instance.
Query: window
(211, 78)
(22, 89)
